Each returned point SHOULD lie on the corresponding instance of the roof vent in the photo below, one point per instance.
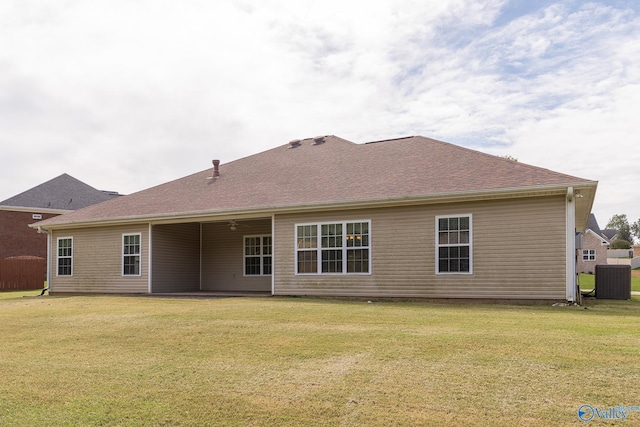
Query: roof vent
(318, 140)
(216, 168)
(294, 143)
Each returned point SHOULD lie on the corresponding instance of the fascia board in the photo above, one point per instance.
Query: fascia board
(34, 209)
(267, 211)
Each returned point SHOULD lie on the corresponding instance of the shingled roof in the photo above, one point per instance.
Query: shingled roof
(593, 225)
(327, 172)
(62, 193)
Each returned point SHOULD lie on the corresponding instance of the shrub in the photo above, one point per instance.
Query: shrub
(620, 244)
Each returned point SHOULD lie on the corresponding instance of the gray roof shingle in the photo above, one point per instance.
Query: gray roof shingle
(593, 225)
(61, 193)
(609, 233)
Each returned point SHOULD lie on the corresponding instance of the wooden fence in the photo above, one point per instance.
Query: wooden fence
(22, 273)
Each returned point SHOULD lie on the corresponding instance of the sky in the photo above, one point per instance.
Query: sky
(128, 94)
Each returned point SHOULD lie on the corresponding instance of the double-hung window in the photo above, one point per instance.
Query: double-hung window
(65, 256)
(257, 255)
(588, 254)
(333, 248)
(454, 244)
(131, 254)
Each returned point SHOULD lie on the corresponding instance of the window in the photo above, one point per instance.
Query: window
(257, 255)
(131, 250)
(588, 254)
(453, 245)
(333, 248)
(65, 256)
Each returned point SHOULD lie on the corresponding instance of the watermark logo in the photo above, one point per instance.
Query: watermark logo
(587, 413)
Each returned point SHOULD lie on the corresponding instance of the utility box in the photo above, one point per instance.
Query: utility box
(613, 281)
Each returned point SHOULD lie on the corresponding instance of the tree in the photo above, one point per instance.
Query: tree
(635, 228)
(621, 223)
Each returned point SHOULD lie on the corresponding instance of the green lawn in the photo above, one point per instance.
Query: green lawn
(141, 361)
(588, 281)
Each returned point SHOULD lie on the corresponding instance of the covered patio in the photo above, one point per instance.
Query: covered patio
(230, 257)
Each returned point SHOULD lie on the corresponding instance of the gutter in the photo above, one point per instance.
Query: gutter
(268, 211)
(34, 209)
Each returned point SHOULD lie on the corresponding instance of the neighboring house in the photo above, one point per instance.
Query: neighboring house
(404, 218)
(60, 195)
(593, 250)
(611, 234)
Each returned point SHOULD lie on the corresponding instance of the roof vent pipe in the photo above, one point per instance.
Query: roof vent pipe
(216, 168)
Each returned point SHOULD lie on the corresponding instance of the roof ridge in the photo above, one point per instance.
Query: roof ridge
(273, 149)
(390, 139)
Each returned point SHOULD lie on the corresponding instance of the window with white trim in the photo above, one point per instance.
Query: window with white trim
(257, 255)
(131, 254)
(588, 254)
(65, 256)
(454, 244)
(333, 248)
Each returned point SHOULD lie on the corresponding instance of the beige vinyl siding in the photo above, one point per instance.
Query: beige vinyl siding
(223, 257)
(518, 252)
(176, 258)
(97, 261)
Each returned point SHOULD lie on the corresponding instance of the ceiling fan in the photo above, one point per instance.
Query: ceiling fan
(234, 225)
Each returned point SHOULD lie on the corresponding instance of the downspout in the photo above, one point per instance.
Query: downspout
(48, 278)
(149, 261)
(571, 247)
(200, 261)
(273, 254)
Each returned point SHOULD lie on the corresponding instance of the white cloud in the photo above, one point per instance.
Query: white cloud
(128, 94)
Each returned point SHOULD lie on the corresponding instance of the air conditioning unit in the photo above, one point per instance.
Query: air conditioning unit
(613, 281)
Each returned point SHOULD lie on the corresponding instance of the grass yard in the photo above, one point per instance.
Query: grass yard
(588, 281)
(136, 361)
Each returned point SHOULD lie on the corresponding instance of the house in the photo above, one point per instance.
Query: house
(593, 250)
(611, 234)
(52, 198)
(410, 217)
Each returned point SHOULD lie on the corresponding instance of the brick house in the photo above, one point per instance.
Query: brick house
(57, 196)
(594, 248)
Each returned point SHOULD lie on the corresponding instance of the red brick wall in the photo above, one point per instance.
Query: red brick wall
(17, 239)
